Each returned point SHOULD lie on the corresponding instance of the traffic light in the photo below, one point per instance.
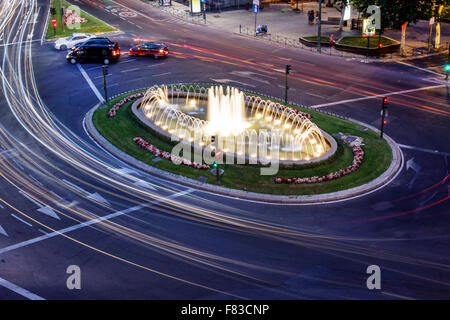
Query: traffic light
(53, 11)
(213, 139)
(288, 69)
(105, 70)
(380, 45)
(54, 23)
(447, 67)
(385, 102)
(385, 122)
(215, 164)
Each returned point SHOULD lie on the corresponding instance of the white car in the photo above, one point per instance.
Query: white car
(69, 42)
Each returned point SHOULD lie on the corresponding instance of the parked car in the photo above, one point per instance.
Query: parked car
(74, 39)
(150, 49)
(95, 49)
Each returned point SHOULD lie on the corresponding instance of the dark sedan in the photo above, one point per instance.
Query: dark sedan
(150, 49)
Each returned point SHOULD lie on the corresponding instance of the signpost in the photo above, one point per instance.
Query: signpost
(204, 9)
(431, 31)
(255, 10)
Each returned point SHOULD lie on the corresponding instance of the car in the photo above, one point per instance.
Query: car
(74, 39)
(150, 49)
(95, 49)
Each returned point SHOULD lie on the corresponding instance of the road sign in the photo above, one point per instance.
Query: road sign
(255, 8)
(432, 21)
(256, 2)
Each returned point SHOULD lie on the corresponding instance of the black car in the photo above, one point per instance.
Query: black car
(95, 49)
(150, 49)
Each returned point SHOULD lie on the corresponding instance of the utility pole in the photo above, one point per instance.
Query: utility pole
(105, 73)
(319, 26)
(383, 115)
(286, 86)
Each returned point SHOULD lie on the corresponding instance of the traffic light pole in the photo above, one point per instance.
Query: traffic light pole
(216, 145)
(62, 15)
(286, 86)
(383, 115)
(447, 67)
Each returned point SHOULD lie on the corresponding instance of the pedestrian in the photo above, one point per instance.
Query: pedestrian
(317, 17)
(311, 17)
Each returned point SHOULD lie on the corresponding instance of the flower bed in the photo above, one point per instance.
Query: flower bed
(72, 17)
(168, 156)
(113, 111)
(358, 154)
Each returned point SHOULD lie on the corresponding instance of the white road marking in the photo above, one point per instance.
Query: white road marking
(40, 183)
(447, 154)
(89, 81)
(18, 164)
(21, 220)
(129, 70)
(161, 74)
(42, 209)
(93, 196)
(98, 197)
(91, 222)
(144, 184)
(315, 95)
(229, 80)
(422, 69)
(387, 94)
(21, 291)
(136, 12)
(2, 231)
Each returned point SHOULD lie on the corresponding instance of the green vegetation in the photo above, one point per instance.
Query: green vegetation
(314, 38)
(362, 41)
(92, 26)
(121, 130)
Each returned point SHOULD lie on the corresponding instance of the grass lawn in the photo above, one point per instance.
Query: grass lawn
(314, 38)
(121, 130)
(362, 41)
(92, 26)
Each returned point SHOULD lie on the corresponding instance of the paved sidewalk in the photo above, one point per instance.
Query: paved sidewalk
(284, 22)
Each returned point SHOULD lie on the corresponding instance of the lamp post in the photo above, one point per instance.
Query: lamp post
(319, 26)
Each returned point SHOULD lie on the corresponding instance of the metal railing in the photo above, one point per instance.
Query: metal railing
(178, 13)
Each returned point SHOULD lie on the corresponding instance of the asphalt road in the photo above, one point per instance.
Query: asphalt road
(161, 240)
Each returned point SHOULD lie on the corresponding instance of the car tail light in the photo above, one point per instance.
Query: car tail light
(114, 53)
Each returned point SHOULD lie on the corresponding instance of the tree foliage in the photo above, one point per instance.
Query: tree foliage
(396, 12)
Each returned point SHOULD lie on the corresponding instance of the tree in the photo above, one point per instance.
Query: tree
(436, 9)
(340, 6)
(396, 13)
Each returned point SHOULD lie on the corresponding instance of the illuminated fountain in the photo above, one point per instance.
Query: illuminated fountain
(242, 123)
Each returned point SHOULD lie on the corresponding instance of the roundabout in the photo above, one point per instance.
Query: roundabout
(155, 130)
(109, 190)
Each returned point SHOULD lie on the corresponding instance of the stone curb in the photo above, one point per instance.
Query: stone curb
(382, 180)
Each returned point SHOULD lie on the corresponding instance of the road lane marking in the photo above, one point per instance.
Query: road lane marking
(90, 83)
(129, 70)
(21, 220)
(91, 222)
(387, 94)
(422, 69)
(19, 290)
(425, 150)
(3, 231)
